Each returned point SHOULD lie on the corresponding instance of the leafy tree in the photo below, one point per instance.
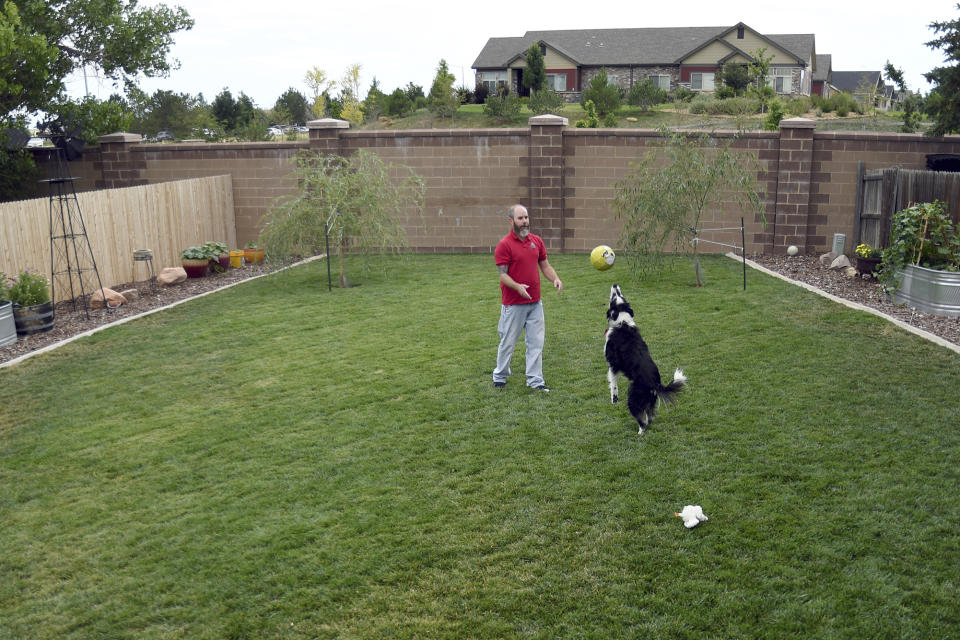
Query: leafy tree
(398, 103)
(605, 97)
(294, 105)
(224, 109)
(736, 76)
(945, 109)
(46, 41)
(413, 92)
(181, 113)
(911, 103)
(443, 101)
(645, 95)
(758, 71)
(350, 96)
(665, 196)
(95, 117)
(777, 110)
(360, 201)
(535, 73)
(316, 79)
(375, 102)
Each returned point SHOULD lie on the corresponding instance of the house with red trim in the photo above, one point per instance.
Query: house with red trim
(670, 57)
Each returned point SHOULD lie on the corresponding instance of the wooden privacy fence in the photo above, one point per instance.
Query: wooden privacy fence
(165, 218)
(883, 192)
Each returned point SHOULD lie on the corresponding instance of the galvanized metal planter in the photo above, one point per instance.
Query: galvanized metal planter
(8, 328)
(929, 290)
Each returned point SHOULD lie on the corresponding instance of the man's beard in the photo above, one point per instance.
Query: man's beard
(520, 231)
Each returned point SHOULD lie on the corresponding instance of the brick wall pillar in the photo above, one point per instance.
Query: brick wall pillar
(118, 165)
(795, 164)
(325, 135)
(545, 173)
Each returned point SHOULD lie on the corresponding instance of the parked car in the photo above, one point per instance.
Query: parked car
(162, 136)
(275, 131)
(35, 142)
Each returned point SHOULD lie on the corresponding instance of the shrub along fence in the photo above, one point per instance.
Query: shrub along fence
(165, 218)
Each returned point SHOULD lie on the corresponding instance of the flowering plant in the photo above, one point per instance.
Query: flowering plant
(29, 289)
(866, 251)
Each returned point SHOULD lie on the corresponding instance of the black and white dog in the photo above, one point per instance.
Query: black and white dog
(627, 353)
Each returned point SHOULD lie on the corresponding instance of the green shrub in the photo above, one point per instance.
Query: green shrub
(502, 107)
(775, 113)
(606, 98)
(702, 103)
(590, 121)
(799, 106)
(545, 101)
(645, 95)
(682, 94)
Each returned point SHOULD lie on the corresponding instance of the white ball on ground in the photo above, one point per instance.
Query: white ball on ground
(792, 250)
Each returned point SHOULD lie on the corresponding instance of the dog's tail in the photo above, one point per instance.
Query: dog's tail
(666, 393)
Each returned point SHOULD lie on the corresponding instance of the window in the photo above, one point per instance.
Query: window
(701, 81)
(660, 81)
(492, 79)
(781, 80)
(612, 80)
(739, 33)
(557, 81)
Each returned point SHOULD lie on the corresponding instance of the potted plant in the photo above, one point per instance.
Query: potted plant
(195, 261)
(8, 328)
(32, 307)
(252, 252)
(921, 267)
(868, 259)
(219, 255)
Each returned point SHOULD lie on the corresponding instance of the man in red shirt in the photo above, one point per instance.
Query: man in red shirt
(519, 255)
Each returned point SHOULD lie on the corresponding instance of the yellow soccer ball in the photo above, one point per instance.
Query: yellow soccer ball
(602, 257)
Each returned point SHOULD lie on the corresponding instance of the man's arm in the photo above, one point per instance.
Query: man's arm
(551, 275)
(511, 283)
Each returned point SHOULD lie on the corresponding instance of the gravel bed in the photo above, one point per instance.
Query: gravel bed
(805, 269)
(69, 322)
(863, 290)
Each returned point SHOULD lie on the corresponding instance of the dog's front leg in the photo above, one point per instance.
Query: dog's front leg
(614, 390)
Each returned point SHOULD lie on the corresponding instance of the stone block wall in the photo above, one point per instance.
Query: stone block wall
(564, 175)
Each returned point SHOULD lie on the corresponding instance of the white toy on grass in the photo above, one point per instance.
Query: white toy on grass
(692, 515)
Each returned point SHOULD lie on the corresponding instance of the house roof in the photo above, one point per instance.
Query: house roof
(850, 81)
(823, 70)
(648, 46)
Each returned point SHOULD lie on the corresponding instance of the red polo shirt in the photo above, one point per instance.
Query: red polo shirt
(522, 257)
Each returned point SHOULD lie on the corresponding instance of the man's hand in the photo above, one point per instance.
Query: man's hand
(558, 285)
(522, 290)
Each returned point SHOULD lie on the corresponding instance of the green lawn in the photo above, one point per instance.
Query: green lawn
(280, 461)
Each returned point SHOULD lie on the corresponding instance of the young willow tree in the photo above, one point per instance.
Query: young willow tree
(664, 198)
(360, 203)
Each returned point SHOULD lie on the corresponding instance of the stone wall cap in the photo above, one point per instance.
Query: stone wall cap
(548, 119)
(120, 136)
(328, 123)
(797, 123)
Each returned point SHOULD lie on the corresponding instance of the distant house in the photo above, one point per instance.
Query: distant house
(823, 76)
(670, 57)
(863, 85)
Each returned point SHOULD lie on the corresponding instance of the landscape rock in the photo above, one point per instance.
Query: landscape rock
(113, 299)
(840, 263)
(827, 258)
(171, 275)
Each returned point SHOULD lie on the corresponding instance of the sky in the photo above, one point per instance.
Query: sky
(264, 48)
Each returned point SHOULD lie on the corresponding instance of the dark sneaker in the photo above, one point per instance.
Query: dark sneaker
(542, 387)
(499, 385)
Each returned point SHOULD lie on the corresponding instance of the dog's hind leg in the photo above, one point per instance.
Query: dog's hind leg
(614, 389)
